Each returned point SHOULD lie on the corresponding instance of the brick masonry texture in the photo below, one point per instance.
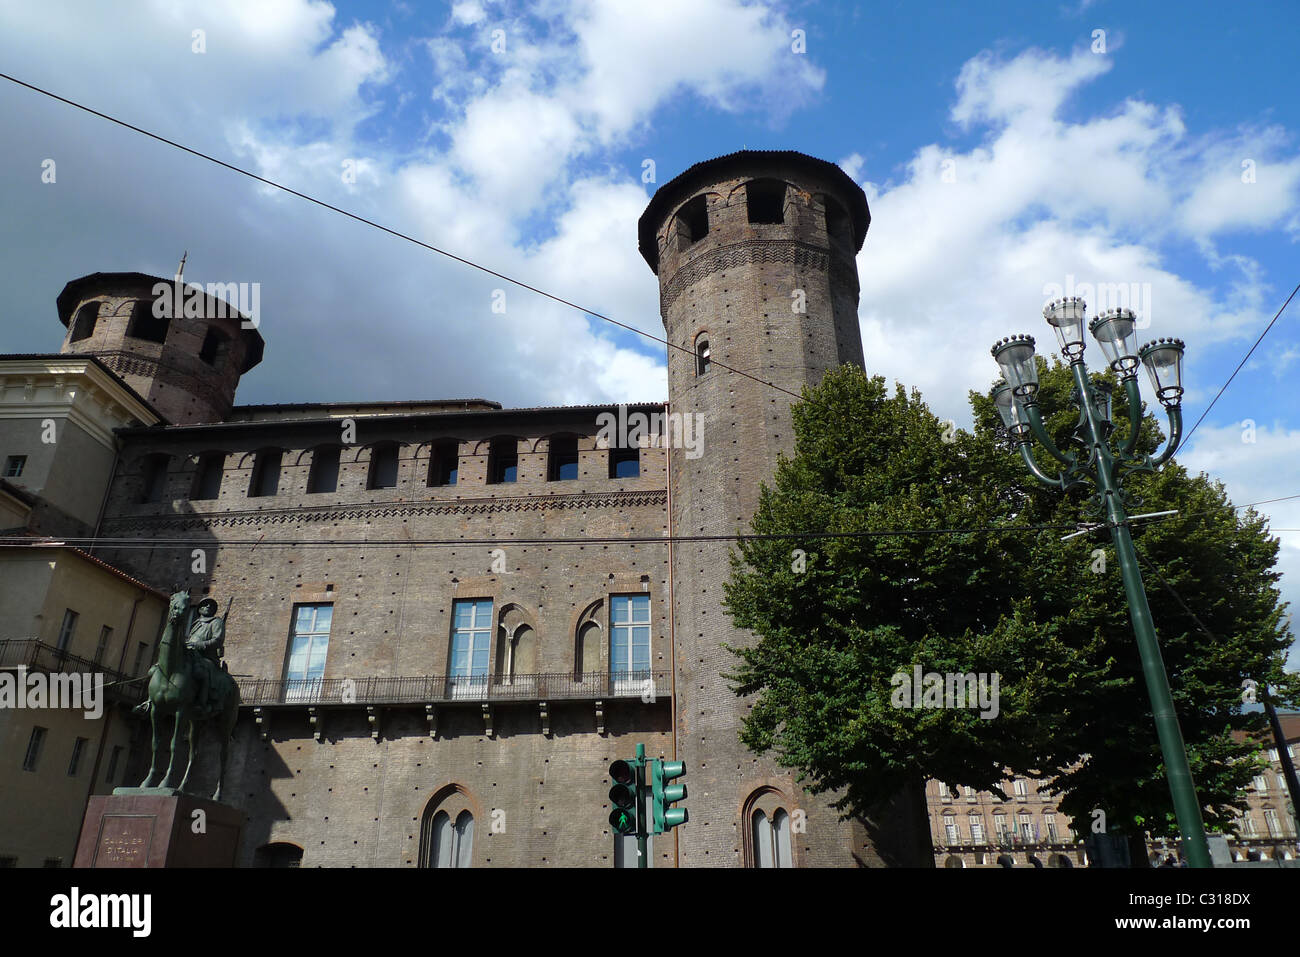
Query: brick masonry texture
(358, 787)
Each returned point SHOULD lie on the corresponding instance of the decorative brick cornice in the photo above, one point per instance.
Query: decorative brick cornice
(371, 510)
(789, 251)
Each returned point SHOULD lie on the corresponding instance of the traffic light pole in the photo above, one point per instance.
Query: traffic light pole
(642, 855)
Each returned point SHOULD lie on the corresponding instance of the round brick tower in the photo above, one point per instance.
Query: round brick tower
(185, 362)
(755, 254)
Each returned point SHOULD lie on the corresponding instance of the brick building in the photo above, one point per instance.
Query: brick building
(440, 643)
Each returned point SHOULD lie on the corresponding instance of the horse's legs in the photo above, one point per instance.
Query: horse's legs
(182, 714)
(190, 763)
(224, 730)
(150, 778)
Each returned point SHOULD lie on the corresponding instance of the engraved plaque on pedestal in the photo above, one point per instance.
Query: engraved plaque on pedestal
(155, 828)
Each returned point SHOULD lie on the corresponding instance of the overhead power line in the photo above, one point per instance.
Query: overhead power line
(1241, 364)
(392, 232)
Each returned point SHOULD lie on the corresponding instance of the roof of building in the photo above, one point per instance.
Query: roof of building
(78, 290)
(92, 358)
(40, 543)
(744, 162)
(19, 492)
(492, 409)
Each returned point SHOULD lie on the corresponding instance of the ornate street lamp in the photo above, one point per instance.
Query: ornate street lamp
(1016, 399)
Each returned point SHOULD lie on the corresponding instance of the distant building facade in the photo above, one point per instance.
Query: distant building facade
(977, 829)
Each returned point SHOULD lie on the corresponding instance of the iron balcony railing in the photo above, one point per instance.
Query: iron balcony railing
(38, 656)
(448, 689)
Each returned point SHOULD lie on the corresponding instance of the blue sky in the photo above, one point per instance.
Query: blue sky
(1001, 149)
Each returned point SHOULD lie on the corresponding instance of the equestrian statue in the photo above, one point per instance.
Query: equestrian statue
(191, 682)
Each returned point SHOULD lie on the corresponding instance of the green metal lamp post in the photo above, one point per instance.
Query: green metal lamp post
(1016, 399)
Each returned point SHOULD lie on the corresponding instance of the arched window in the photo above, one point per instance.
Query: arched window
(692, 222)
(768, 830)
(83, 324)
(278, 854)
(447, 828)
(771, 838)
(765, 201)
(702, 357)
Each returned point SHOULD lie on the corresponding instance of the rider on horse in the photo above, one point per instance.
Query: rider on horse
(207, 640)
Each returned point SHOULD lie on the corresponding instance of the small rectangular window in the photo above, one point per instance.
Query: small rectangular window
(215, 347)
(145, 325)
(444, 464)
(113, 759)
(692, 222)
(101, 649)
(765, 201)
(563, 464)
(33, 755)
(154, 485)
(503, 463)
(324, 474)
(266, 474)
(14, 466)
(141, 658)
(66, 629)
(624, 463)
(78, 749)
(383, 467)
(207, 483)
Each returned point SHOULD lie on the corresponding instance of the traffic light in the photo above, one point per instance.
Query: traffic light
(624, 796)
(664, 794)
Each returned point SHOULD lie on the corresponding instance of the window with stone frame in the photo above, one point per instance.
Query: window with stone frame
(768, 822)
(447, 829)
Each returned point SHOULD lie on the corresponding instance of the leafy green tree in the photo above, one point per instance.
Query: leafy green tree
(893, 540)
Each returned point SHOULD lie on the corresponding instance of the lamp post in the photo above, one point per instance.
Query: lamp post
(1016, 398)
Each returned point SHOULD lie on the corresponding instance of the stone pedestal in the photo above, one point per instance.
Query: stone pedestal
(157, 827)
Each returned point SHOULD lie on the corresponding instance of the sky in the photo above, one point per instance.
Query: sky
(1009, 152)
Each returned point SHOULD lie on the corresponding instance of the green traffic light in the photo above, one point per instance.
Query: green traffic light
(622, 821)
(623, 794)
(664, 794)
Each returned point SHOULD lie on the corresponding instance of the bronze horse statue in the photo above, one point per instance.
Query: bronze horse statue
(173, 689)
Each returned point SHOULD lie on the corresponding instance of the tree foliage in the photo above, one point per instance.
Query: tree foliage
(835, 619)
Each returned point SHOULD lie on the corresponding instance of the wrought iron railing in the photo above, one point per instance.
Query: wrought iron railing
(438, 689)
(38, 656)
